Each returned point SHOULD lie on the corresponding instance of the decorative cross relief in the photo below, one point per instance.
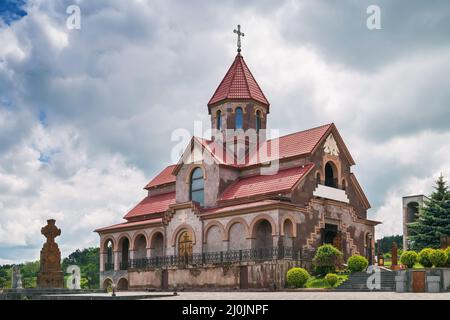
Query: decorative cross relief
(330, 146)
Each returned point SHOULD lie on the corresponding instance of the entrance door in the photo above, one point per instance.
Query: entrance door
(165, 279)
(243, 277)
(418, 284)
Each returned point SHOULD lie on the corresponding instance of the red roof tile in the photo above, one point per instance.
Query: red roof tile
(295, 144)
(129, 225)
(150, 205)
(238, 83)
(163, 177)
(282, 181)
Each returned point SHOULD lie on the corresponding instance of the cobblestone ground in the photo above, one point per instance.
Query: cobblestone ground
(308, 296)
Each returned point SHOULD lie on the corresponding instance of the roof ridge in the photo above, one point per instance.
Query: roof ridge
(256, 82)
(302, 131)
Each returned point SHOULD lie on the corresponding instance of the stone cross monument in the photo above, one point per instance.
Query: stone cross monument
(50, 274)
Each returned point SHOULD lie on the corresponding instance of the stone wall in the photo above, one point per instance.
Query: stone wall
(260, 276)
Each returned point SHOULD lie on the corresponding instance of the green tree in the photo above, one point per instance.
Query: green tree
(386, 243)
(89, 262)
(433, 219)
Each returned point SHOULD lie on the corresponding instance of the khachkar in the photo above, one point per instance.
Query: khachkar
(50, 274)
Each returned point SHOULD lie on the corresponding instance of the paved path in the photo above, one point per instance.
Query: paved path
(308, 296)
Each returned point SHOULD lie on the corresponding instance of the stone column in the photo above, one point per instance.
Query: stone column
(116, 257)
(102, 261)
(149, 252)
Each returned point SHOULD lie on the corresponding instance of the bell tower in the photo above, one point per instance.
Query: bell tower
(238, 104)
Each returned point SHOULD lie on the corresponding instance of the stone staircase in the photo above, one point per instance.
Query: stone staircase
(358, 282)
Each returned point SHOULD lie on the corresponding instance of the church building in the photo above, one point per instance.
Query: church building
(237, 211)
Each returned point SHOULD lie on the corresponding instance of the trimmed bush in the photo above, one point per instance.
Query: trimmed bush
(327, 259)
(439, 258)
(425, 257)
(297, 277)
(447, 251)
(357, 263)
(331, 279)
(409, 258)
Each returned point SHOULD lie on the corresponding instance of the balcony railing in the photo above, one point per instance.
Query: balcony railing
(331, 193)
(223, 257)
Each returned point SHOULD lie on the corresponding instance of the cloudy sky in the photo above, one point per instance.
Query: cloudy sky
(86, 116)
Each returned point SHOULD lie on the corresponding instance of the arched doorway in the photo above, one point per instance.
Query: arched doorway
(330, 175)
(262, 239)
(108, 255)
(185, 246)
(122, 285)
(107, 284)
(124, 245)
(157, 245)
(140, 251)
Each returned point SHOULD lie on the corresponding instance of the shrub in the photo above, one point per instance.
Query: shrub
(331, 279)
(439, 258)
(327, 259)
(425, 257)
(409, 258)
(357, 263)
(297, 277)
(447, 251)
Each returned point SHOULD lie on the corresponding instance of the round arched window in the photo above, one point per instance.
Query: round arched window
(197, 186)
(239, 118)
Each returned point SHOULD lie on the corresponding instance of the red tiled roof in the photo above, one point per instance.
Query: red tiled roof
(282, 181)
(163, 177)
(295, 144)
(150, 205)
(238, 83)
(129, 225)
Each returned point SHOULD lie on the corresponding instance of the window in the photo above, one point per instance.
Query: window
(239, 118)
(330, 180)
(219, 120)
(258, 121)
(197, 186)
(344, 185)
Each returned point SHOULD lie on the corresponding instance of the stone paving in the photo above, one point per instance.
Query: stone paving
(308, 296)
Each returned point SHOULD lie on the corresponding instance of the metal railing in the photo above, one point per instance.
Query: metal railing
(222, 258)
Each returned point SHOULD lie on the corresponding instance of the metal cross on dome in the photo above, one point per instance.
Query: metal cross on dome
(239, 34)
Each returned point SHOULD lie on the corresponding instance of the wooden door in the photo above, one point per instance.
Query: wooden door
(418, 284)
(165, 279)
(243, 277)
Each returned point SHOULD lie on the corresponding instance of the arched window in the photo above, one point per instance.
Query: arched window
(197, 186)
(239, 118)
(185, 244)
(258, 121)
(330, 179)
(219, 120)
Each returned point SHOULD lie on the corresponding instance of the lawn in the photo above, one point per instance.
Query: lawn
(316, 282)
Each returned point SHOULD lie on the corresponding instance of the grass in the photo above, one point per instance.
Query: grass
(320, 283)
